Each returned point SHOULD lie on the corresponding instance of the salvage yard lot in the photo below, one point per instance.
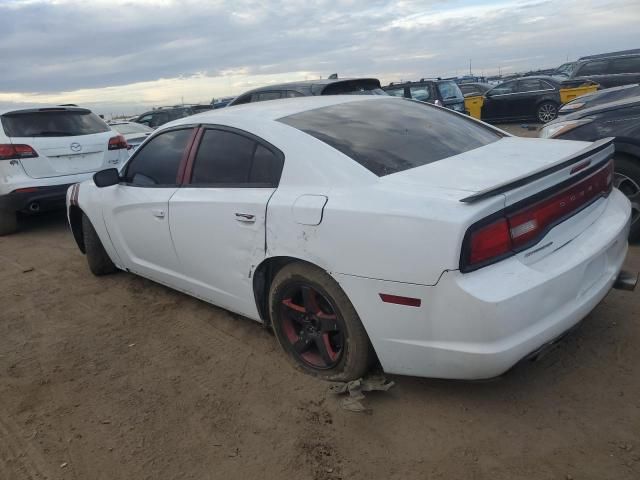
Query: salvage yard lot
(121, 378)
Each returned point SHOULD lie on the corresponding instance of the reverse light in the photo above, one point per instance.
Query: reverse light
(118, 143)
(9, 151)
(518, 229)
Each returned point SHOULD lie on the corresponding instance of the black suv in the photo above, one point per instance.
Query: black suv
(608, 71)
(330, 86)
(445, 93)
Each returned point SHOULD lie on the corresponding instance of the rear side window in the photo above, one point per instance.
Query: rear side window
(395, 92)
(626, 65)
(52, 123)
(530, 85)
(228, 159)
(392, 135)
(158, 161)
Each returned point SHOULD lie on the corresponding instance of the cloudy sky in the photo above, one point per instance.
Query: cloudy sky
(120, 56)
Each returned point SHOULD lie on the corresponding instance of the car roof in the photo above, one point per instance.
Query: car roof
(37, 108)
(307, 83)
(272, 110)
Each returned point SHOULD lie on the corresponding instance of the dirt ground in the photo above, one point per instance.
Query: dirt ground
(121, 378)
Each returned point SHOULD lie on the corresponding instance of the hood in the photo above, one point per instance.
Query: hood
(485, 167)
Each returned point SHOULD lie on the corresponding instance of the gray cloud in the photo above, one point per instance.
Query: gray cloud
(63, 46)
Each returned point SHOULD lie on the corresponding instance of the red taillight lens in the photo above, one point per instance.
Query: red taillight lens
(513, 232)
(10, 152)
(117, 143)
(490, 241)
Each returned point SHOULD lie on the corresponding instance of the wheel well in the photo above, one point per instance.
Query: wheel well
(262, 278)
(75, 221)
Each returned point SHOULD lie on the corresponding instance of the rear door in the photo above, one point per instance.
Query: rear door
(67, 141)
(136, 211)
(498, 101)
(218, 218)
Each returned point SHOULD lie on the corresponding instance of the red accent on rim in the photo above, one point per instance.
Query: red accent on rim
(398, 300)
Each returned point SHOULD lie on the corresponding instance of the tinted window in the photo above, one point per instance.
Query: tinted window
(504, 88)
(625, 65)
(226, 158)
(242, 99)
(262, 96)
(420, 93)
(396, 92)
(598, 67)
(158, 161)
(389, 136)
(449, 90)
(530, 85)
(60, 123)
(353, 87)
(293, 93)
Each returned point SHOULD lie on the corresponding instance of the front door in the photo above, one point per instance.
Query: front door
(497, 102)
(136, 211)
(218, 219)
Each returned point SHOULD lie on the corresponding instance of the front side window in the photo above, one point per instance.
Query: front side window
(52, 123)
(420, 93)
(228, 159)
(392, 135)
(395, 92)
(449, 90)
(158, 162)
(530, 85)
(504, 88)
(599, 67)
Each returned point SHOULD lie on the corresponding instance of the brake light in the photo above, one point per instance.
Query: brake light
(117, 143)
(9, 151)
(515, 231)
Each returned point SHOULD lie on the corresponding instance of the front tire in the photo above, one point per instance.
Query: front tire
(546, 112)
(97, 258)
(627, 180)
(8, 222)
(316, 324)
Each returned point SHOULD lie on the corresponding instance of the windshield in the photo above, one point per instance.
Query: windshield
(391, 135)
(449, 90)
(52, 123)
(565, 69)
(127, 128)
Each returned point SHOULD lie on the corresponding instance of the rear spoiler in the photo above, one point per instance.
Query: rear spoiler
(592, 149)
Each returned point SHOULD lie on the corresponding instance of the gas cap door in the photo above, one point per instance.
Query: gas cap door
(307, 209)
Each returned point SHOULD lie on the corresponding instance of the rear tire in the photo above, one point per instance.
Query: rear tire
(546, 112)
(326, 340)
(97, 258)
(8, 222)
(627, 180)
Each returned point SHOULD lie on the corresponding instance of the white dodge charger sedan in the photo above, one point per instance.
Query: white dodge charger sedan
(367, 229)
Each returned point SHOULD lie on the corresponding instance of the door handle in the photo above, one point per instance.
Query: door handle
(158, 212)
(245, 217)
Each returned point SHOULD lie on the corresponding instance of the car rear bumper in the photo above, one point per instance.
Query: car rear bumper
(35, 199)
(478, 325)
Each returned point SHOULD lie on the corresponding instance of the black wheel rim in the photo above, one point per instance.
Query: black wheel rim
(311, 326)
(632, 191)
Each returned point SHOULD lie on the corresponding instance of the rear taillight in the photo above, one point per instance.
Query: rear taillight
(117, 143)
(521, 227)
(11, 152)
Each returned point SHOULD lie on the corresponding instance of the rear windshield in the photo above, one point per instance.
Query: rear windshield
(52, 123)
(354, 87)
(392, 135)
(449, 90)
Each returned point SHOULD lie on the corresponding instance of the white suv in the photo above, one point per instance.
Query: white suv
(45, 150)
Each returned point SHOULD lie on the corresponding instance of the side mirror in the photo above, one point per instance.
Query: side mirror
(106, 178)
